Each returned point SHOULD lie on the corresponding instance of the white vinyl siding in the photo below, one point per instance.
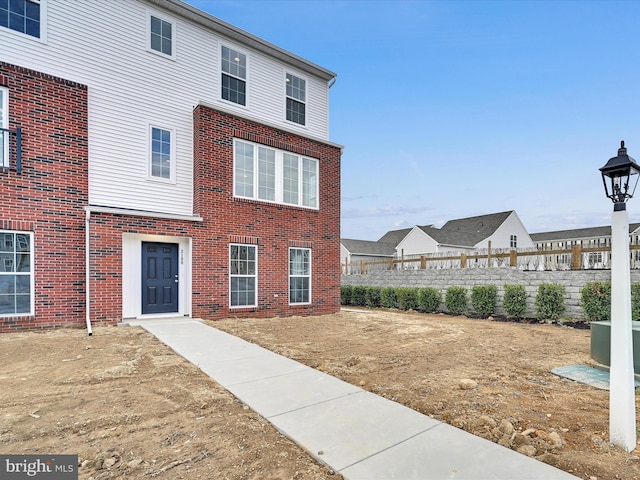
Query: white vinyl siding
(274, 175)
(80, 49)
(4, 124)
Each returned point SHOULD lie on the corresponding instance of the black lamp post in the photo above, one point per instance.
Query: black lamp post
(620, 177)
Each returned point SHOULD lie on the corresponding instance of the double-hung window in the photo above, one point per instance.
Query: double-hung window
(234, 76)
(274, 175)
(296, 99)
(243, 275)
(16, 273)
(299, 275)
(513, 241)
(4, 126)
(161, 35)
(21, 16)
(162, 154)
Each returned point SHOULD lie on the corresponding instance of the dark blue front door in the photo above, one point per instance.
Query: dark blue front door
(159, 277)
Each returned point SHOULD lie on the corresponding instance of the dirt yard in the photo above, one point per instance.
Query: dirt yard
(130, 408)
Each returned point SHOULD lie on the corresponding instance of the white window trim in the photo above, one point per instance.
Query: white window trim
(172, 174)
(246, 80)
(310, 276)
(255, 276)
(174, 34)
(43, 24)
(4, 123)
(31, 275)
(306, 95)
(279, 176)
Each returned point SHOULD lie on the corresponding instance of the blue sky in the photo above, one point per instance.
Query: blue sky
(450, 109)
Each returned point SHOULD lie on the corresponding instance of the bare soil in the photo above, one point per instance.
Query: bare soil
(131, 408)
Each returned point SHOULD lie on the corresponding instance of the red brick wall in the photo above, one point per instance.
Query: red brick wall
(273, 228)
(48, 197)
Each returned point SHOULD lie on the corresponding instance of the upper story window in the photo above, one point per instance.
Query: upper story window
(162, 154)
(296, 98)
(16, 273)
(234, 76)
(4, 126)
(161, 34)
(21, 15)
(274, 175)
(513, 241)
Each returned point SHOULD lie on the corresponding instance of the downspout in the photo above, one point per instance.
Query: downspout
(87, 271)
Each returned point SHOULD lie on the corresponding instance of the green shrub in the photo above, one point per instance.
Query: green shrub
(358, 295)
(407, 298)
(389, 297)
(372, 296)
(456, 300)
(515, 300)
(596, 301)
(429, 299)
(484, 299)
(550, 301)
(345, 294)
(635, 301)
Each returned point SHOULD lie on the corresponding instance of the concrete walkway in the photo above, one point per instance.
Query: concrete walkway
(352, 431)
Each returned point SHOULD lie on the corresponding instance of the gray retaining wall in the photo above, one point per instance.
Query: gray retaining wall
(573, 280)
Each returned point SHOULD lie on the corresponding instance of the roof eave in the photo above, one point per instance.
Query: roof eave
(245, 38)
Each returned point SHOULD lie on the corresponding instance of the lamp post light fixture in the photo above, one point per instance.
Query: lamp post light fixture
(620, 177)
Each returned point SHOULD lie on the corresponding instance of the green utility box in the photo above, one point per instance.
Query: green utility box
(601, 343)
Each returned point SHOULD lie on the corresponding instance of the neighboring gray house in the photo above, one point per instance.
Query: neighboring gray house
(355, 251)
(585, 237)
(591, 237)
(503, 230)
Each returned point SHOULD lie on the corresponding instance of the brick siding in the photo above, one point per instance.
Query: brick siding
(48, 197)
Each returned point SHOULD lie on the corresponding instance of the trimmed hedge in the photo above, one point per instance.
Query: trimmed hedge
(514, 302)
(372, 296)
(429, 299)
(484, 299)
(456, 300)
(635, 302)
(407, 298)
(550, 301)
(595, 301)
(358, 295)
(345, 294)
(389, 298)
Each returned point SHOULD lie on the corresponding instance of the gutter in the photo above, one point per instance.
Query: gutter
(87, 271)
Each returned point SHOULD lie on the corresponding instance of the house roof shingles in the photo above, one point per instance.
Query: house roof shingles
(367, 247)
(578, 233)
(467, 231)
